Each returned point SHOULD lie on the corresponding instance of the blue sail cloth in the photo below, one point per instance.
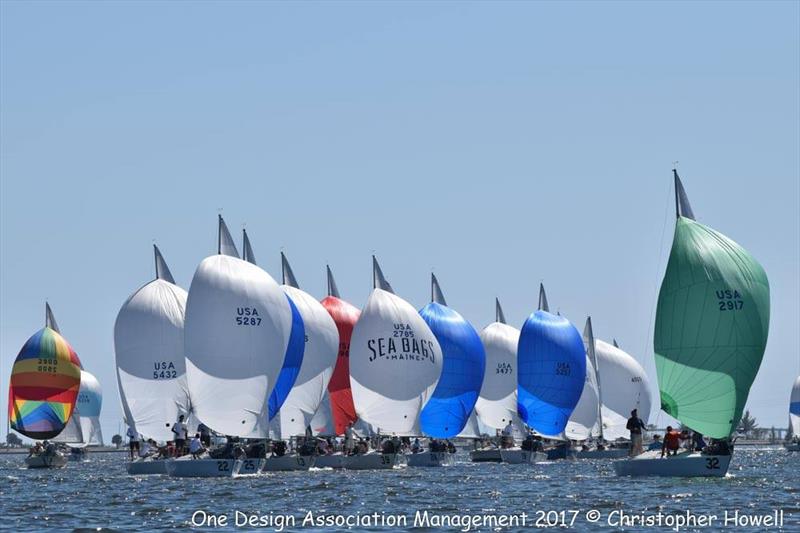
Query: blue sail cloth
(551, 363)
(291, 363)
(463, 364)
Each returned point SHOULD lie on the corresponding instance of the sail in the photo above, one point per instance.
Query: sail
(162, 270)
(295, 349)
(45, 381)
(712, 321)
(395, 364)
(625, 386)
(72, 433)
(471, 429)
(345, 317)
(794, 408)
(90, 402)
(319, 356)
(464, 362)
(322, 421)
(50, 319)
(237, 331)
(497, 403)
(584, 421)
(225, 244)
(551, 363)
(149, 352)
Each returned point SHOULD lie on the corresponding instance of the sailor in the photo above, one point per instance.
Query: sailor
(450, 447)
(656, 444)
(635, 425)
(205, 434)
(180, 431)
(196, 446)
(416, 447)
(348, 440)
(672, 442)
(508, 436)
(698, 443)
(133, 441)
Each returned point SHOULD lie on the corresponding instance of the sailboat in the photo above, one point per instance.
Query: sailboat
(308, 393)
(83, 428)
(794, 417)
(551, 363)
(497, 404)
(711, 329)
(395, 364)
(621, 386)
(150, 362)
(45, 382)
(448, 410)
(237, 332)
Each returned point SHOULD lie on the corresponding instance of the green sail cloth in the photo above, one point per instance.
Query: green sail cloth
(711, 329)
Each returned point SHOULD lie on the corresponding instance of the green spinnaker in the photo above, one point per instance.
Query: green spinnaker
(711, 329)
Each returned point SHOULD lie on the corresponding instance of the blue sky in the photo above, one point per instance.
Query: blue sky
(498, 143)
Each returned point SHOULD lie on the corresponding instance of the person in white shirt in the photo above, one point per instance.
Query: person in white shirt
(144, 449)
(133, 442)
(180, 431)
(196, 447)
(507, 439)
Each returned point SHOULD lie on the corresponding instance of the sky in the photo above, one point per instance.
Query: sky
(497, 144)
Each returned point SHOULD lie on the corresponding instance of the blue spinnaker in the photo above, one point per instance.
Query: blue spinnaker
(291, 363)
(464, 362)
(551, 363)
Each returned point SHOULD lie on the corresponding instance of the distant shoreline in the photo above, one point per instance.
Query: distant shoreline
(92, 449)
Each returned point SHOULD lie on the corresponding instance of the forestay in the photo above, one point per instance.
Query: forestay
(238, 325)
(711, 326)
(395, 362)
(464, 361)
(149, 351)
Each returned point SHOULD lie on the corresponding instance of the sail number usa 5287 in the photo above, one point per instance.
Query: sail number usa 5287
(247, 316)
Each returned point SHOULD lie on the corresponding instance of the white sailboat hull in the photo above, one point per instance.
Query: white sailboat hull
(372, 461)
(689, 464)
(487, 455)
(144, 467)
(289, 462)
(184, 467)
(46, 461)
(430, 459)
(516, 456)
(329, 461)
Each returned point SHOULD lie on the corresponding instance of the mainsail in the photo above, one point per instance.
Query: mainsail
(395, 362)
(238, 324)
(148, 346)
(552, 370)
(711, 325)
(45, 381)
(794, 408)
(584, 422)
(293, 358)
(464, 363)
(321, 345)
(345, 317)
(497, 404)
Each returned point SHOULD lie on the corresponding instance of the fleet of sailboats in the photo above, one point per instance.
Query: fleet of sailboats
(256, 362)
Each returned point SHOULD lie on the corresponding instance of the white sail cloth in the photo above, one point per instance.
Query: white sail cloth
(497, 403)
(624, 387)
(321, 349)
(395, 364)
(794, 408)
(88, 406)
(238, 323)
(584, 423)
(149, 349)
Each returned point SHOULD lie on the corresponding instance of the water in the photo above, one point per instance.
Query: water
(99, 494)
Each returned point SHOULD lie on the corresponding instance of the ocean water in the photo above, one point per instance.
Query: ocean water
(98, 494)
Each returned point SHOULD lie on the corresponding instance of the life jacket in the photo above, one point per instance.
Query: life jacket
(673, 440)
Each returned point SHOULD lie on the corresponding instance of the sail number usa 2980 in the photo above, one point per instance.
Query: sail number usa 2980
(247, 316)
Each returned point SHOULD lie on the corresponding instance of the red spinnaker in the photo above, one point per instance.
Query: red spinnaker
(345, 315)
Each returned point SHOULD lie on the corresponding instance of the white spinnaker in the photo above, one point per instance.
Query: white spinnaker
(795, 400)
(238, 323)
(497, 403)
(149, 350)
(583, 423)
(625, 386)
(90, 398)
(321, 349)
(395, 364)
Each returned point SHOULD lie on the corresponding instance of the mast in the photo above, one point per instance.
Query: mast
(589, 336)
(162, 270)
(436, 291)
(543, 306)
(333, 290)
(498, 312)
(286, 272)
